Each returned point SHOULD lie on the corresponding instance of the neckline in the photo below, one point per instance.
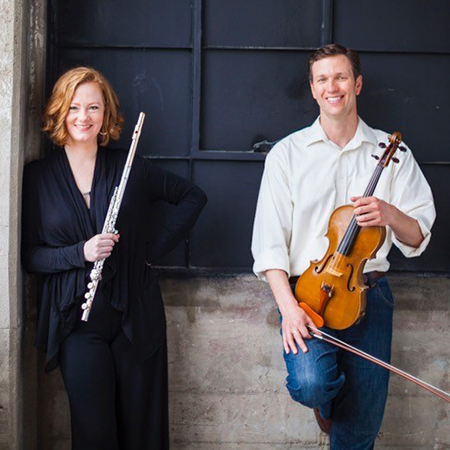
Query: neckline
(79, 195)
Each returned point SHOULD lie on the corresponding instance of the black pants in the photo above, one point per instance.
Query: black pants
(115, 401)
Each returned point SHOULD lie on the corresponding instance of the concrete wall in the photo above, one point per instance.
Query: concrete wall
(12, 60)
(21, 74)
(227, 373)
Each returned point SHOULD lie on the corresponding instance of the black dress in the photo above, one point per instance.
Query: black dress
(56, 224)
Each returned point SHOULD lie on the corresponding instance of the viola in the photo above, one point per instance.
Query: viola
(331, 290)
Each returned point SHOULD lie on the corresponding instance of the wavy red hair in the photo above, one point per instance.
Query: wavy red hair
(57, 108)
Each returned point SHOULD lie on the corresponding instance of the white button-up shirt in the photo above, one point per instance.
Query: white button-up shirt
(306, 177)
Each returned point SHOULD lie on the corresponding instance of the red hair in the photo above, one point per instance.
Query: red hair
(58, 106)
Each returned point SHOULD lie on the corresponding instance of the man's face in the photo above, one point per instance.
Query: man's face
(334, 86)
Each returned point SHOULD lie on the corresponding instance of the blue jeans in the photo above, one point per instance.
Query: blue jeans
(349, 390)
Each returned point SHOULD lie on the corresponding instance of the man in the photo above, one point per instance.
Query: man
(307, 175)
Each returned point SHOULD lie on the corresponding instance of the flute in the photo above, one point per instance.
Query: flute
(110, 220)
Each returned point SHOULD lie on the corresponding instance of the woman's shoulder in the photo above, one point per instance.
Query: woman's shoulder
(39, 167)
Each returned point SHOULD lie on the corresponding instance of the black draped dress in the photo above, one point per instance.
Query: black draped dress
(57, 223)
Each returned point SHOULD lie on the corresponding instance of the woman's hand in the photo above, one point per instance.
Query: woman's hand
(100, 246)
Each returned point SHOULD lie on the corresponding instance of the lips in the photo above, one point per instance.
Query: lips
(83, 127)
(335, 99)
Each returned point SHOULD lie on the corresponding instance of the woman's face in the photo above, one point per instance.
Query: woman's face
(85, 117)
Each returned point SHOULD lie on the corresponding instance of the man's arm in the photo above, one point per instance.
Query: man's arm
(371, 211)
(294, 318)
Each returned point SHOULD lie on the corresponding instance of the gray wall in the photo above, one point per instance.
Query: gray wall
(22, 25)
(12, 95)
(227, 371)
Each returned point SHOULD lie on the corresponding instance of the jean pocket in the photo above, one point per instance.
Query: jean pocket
(383, 291)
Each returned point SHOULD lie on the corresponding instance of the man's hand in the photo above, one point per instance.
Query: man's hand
(100, 246)
(294, 329)
(371, 211)
(294, 318)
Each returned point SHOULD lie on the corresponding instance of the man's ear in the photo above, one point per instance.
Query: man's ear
(358, 84)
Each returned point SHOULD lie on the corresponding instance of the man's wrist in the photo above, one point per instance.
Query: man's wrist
(287, 304)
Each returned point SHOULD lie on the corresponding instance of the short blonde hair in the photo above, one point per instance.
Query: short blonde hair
(58, 106)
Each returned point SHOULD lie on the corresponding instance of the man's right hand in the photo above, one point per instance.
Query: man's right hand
(100, 246)
(294, 329)
(295, 318)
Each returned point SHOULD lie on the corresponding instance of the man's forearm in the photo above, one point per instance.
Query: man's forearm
(281, 290)
(372, 211)
(406, 229)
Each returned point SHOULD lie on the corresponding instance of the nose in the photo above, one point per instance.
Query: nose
(332, 85)
(83, 114)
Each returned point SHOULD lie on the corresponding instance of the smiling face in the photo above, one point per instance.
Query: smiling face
(85, 117)
(334, 87)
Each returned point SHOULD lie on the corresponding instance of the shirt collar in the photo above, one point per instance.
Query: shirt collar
(363, 134)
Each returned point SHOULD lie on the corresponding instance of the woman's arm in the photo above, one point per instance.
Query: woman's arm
(37, 257)
(189, 200)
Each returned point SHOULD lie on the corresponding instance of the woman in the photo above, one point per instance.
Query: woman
(114, 366)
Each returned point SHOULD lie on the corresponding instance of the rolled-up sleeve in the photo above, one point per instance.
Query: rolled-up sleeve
(273, 218)
(412, 195)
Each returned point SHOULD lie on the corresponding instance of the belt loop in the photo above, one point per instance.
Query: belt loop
(370, 278)
(370, 282)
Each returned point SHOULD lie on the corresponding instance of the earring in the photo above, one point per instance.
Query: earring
(102, 134)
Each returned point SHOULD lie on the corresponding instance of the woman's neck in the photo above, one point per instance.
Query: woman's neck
(79, 152)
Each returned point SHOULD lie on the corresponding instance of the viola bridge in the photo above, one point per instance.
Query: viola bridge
(333, 272)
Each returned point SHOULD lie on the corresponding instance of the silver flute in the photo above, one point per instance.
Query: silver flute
(110, 220)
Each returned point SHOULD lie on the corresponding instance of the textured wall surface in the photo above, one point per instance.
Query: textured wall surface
(227, 373)
(21, 73)
(12, 62)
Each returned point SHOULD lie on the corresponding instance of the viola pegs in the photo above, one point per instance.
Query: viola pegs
(396, 160)
(382, 145)
(376, 157)
(402, 149)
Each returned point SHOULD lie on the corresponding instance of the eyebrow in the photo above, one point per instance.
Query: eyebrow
(322, 75)
(92, 103)
(337, 74)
